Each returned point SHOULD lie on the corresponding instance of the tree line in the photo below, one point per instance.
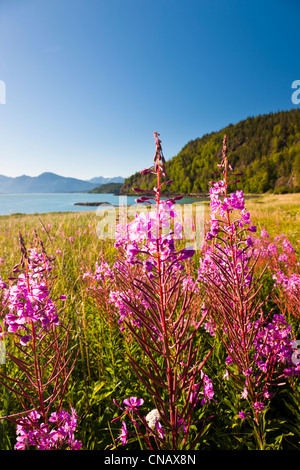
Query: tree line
(264, 149)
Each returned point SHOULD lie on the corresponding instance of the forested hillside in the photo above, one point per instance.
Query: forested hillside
(108, 188)
(265, 149)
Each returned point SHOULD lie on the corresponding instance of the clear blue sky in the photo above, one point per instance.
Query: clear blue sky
(89, 81)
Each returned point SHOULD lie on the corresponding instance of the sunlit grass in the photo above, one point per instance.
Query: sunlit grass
(278, 214)
(72, 238)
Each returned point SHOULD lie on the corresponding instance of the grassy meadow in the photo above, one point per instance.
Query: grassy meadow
(102, 371)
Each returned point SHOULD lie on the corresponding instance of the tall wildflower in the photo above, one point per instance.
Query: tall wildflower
(38, 347)
(155, 304)
(259, 349)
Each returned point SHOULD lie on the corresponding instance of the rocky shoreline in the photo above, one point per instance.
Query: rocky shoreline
(96, 204)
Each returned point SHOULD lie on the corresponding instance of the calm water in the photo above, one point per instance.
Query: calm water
(62, 202)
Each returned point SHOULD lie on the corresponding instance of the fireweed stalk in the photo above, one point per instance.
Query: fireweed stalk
(155, 300)
(36, 331)
(259, 348)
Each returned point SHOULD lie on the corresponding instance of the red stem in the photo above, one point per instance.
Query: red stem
(172, 407)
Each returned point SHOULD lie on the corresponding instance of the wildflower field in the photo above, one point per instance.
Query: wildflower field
(145, 341)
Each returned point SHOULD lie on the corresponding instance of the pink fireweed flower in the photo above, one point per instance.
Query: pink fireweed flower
(124, 435)
(288, 283)
(226, 375)
(155, 276)
(287, 246)
(159, 429)
(208, 391)
(27, 298)
(264, 233)
(258, 406)
(151, 231)
(33, 433)
(274, 344)
(228, 360)
(133, 403)
(103, 271)
(25, 339)
(120, 299)
(283, 258)
(2, 283)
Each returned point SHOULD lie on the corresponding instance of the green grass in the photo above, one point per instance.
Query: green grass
(102, 371)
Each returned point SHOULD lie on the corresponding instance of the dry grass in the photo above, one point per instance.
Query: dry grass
(277, 214)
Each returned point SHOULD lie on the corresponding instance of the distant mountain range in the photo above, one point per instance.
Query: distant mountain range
(51, 183)
(101, 180)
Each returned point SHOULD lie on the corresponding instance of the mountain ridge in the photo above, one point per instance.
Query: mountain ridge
(264, 148)
(48, 182)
